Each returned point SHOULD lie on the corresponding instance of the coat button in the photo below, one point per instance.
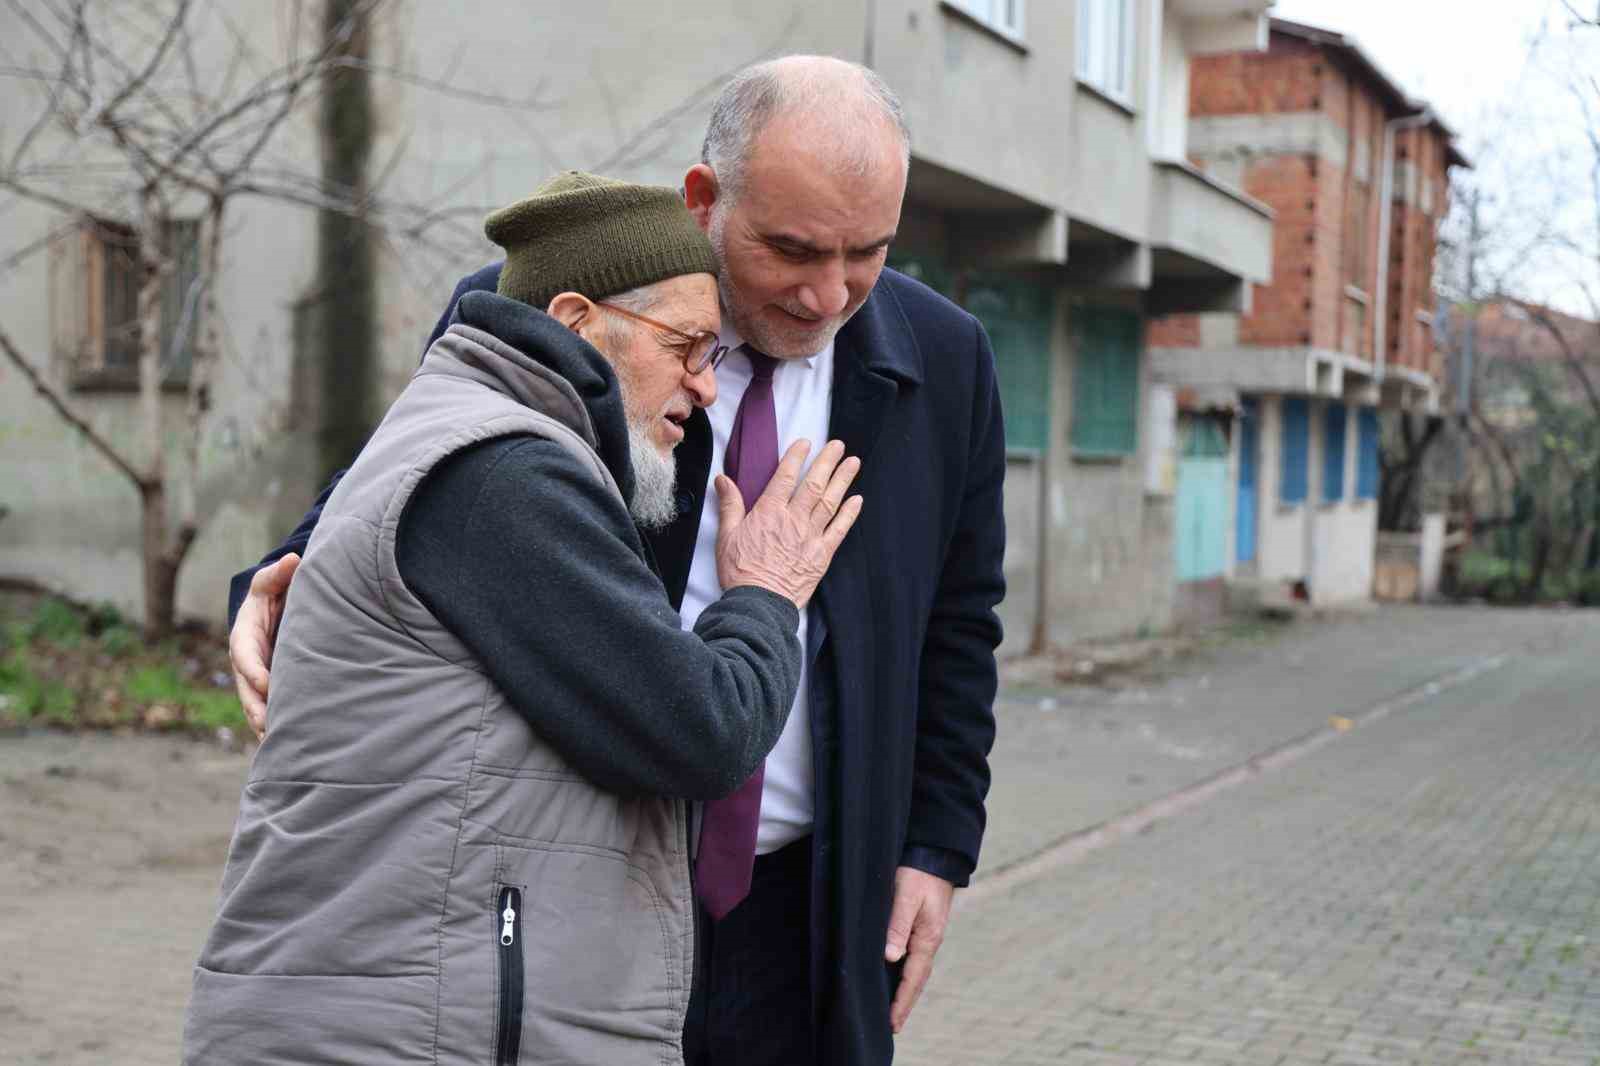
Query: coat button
(685, 501)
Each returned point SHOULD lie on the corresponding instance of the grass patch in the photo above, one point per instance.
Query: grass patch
(68, 667)
(27, 695)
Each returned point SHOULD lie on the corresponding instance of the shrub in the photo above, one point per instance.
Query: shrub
(57, 622)
(120, 641)
(205, 707)
(29, 696)
(155, 684)
(217, 710)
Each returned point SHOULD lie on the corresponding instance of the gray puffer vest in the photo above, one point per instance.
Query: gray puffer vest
(415, 877)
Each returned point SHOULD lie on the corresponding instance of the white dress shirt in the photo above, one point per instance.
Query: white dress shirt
(801, 394)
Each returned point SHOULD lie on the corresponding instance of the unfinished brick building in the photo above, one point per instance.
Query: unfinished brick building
(1287, 392)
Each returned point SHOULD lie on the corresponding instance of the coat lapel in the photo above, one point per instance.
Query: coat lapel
(874, 356)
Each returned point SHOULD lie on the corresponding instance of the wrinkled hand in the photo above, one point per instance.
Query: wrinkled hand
(916, 929)
(786, 541)
(255, 631)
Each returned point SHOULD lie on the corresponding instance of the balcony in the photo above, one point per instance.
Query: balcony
(1216, 26)
(1208, 242)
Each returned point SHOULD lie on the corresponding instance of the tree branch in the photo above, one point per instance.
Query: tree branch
(71, 417)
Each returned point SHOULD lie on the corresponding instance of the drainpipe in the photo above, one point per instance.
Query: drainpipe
(1380, 352)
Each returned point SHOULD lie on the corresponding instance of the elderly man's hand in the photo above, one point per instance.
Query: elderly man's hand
(255, 631)
(916, 929)
(788, 538)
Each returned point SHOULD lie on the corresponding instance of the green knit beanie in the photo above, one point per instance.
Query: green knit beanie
(596, 236)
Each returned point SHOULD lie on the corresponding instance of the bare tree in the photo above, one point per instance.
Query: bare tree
(136, 118)
(154, 119)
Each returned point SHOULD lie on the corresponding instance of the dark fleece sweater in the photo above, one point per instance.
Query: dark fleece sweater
(541, 572)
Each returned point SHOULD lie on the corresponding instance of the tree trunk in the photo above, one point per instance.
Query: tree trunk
(159, 585)
(160, 575)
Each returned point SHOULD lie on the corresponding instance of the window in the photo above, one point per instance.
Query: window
(1016, 313)
(1106, 47)
(1355, 236)
(94, 295)
(1336, 423)
(1003, 16)
(1367, 454)
(1296, 450)
(1105, 382)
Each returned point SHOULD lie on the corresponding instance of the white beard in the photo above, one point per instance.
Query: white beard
(655, 479)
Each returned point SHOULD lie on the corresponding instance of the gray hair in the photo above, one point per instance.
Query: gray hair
(818, 85)
(639, 301)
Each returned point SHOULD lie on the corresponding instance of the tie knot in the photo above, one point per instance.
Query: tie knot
(761, 364)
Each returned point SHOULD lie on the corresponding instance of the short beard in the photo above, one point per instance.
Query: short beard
(655, 479)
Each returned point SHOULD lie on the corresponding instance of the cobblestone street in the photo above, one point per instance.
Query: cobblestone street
(1424, 890)
(1419, 886)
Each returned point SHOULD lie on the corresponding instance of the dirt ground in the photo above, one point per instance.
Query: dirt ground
(111, 849)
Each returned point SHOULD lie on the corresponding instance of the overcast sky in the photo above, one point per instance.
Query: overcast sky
(1517, 118)
(1459, 55)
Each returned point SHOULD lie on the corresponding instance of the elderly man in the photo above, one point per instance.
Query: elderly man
(869, 811)
(466, 838)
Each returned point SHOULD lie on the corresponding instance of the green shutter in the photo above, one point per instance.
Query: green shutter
(1016, 314)
(1105, 393)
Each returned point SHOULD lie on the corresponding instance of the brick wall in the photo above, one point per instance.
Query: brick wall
(1256, 83)
(1328, 210)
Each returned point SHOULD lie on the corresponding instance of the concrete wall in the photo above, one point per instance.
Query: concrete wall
(1344, 532)
(1019, 612)
(1110, 551)
(978, 104)
(1110, 184)
(1329, 545)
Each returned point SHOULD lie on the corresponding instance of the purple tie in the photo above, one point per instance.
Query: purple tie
(728, 826)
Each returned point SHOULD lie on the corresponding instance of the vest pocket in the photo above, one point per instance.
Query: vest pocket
(508, 949)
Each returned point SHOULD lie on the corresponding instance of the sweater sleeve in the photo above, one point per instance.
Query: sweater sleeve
(540, 572)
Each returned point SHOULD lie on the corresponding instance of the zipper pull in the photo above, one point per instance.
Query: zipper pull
(508, 918)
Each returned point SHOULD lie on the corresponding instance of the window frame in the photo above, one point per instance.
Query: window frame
(982, 12)
(1096, 48)
(82, 284)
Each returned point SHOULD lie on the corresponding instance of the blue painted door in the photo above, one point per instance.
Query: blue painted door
(1249, 452)
(1202, 519)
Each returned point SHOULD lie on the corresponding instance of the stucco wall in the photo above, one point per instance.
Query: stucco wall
(1020, 610)
(1110, 553)
(977, 103)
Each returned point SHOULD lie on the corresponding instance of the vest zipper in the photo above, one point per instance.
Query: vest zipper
(508, 1024)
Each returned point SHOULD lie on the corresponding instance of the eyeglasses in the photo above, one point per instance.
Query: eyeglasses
(700, 350)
